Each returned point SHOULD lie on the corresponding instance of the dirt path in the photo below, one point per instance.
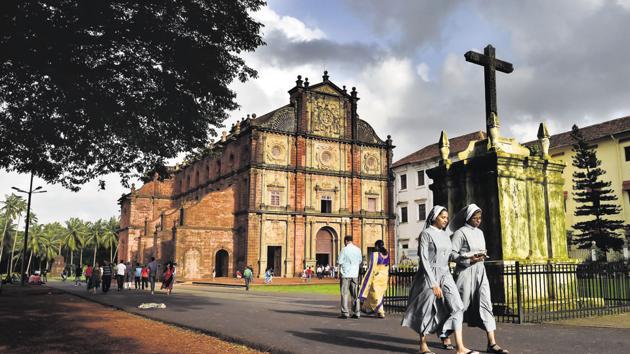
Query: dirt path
(43, 320)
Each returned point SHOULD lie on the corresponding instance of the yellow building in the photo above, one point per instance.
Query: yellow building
(612, 142)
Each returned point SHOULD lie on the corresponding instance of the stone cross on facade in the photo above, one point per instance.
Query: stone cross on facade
(490, 64)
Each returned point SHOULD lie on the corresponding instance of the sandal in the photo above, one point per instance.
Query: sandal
(427, 352)
(496, 349)
(472, 352)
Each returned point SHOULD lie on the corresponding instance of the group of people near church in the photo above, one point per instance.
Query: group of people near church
(438, 300)
(142, 276)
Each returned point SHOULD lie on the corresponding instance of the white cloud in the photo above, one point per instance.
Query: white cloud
(422, 70)
(291, 27)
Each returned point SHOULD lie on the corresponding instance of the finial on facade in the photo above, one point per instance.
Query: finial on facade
(253, 115)
(543, 139)
(444, 145)
(353, 93)
(493, 130)
(389, 140)
(306, 82)
(133, 187)
(223, 136)
(238, 126)
(325, 77)
(298, 82)
(344, 89)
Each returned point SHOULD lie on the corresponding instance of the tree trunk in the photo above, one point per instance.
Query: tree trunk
(111, 253)
(28, 266)
(81, 257)
(6, 224)
(115, 253)
(71, 257)
(94, 262)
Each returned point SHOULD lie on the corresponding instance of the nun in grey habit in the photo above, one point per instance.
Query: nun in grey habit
(469, 252)
(434, 304)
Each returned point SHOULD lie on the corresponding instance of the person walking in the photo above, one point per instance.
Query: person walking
(375, 281)
(168, 278)
(269, 276)
(106, 276)
(137, 276)
(349, 259)
(130, 271)
(94, 278)
(469, 253)
(88, 275)
(152, 274)
(145, 277)
(77, 274)
(248, 274)
(120, 274)
(434, 305)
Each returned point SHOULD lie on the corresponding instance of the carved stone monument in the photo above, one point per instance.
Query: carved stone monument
(58, 265)
(520, 193)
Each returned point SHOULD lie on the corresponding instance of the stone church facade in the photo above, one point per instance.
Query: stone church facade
(280, 190)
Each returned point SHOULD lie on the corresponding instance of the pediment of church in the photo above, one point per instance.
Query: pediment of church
(328, 88)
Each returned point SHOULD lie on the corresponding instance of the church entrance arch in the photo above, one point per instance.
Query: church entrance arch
(221, 263)
(324, 246)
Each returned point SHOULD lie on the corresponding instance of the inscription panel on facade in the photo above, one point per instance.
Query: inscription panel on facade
(372, 198)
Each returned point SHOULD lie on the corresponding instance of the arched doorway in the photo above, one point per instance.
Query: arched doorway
(324, 246)
(221, 263)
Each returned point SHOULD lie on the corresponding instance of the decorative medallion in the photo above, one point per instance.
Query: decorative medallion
(371, 163)
(325, 116)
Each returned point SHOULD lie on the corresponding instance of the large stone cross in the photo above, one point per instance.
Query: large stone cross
(490, 64)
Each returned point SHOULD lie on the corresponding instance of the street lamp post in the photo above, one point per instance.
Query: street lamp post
(28, 220)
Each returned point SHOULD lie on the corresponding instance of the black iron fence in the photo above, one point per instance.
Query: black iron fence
(539, 292)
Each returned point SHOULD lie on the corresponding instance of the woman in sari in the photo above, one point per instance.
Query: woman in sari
(434, 305)
(469, 252)
(167, 282)
(375, 281)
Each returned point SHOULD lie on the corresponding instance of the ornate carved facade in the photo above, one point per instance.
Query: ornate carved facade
(281, 191)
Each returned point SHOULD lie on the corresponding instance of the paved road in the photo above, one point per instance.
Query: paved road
(308, 324)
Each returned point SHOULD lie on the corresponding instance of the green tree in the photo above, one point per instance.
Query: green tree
(34, 243)
(74, 237)
(50, 243)
(110, 236)
(13, 205)
(93, 87)
(595, 200)
(95, 236)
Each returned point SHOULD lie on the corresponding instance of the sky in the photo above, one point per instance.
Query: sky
(406, 59)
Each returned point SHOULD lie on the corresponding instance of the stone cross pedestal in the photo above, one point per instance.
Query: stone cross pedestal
(520, 194)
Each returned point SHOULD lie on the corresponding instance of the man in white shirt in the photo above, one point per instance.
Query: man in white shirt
(120, 274)
(350, 259)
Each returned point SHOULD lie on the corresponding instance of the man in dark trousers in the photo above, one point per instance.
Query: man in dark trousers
(152, 273)
(107, 276)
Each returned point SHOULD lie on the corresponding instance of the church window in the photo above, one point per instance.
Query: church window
(275, 198)
(231, 161)
(422, 211)
(188, 182)
(627, 151)
(181, 217)
(403, 182)
(326, 204)
(403, 215)
(219, 168)
(421, 178)
(372, 204)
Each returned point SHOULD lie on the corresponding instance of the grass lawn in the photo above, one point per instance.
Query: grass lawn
(327, 289)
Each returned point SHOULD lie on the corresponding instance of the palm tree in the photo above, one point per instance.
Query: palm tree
(35, 237)
(110, 236)
(95, 236)
(33, 221)
(50, 243)
(14, 205)
(74, 237)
